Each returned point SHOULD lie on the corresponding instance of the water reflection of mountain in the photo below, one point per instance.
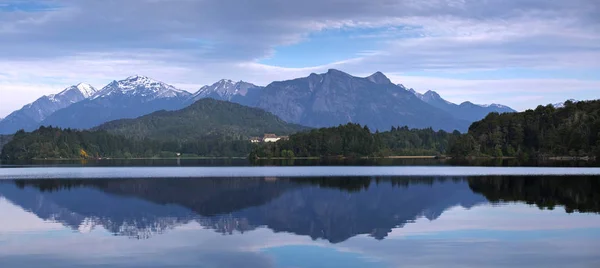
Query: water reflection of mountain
(334, 209)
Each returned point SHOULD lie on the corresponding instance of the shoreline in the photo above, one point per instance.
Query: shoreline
(134, 158)
(443, 157)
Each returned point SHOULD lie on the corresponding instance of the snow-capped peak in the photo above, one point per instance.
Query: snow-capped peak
(493, 105)
(86, 89)
(224, 89)
(141, 86)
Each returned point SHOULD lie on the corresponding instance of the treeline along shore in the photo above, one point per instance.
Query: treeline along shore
(570, 132)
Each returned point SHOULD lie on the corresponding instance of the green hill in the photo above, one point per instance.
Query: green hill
(205, 118)
(206, 128)
(546, 131)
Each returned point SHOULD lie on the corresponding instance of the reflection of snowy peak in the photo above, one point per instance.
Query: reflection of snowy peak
(86, 226)
(84, 209)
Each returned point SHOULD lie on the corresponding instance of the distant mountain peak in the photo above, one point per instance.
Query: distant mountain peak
(86, 89)
(30, 115)
(223, 89)
(141, 86)
(494, 105)
(433, 94)
(137, 76)
(336, 72)
(379, 78)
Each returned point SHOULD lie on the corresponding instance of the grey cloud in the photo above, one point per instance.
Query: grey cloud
(231, 30)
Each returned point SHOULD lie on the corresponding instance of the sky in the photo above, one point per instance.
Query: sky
(520, 53)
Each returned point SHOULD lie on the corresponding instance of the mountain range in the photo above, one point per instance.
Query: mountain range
(335, 97)
(465, 111)
(129, 98)
(31, 115)
(318, 100)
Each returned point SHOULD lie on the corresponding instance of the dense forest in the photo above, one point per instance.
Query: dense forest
(546, 131)
(354, 140)
(56, 143)
(4, 139)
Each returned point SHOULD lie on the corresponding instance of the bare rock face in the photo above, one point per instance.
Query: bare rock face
(335, 97)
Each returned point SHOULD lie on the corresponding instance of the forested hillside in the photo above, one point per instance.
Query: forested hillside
(205, 119)
(56, 143)
(355, 140)
(546, 131)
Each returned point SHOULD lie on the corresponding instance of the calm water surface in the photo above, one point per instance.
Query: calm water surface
(314, 221)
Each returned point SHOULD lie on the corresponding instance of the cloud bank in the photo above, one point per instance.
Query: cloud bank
(48, 45)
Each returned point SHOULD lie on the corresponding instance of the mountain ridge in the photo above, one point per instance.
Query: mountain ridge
(335, 97)
(318, 100)
(128, 98)
(31, 115)
(465, 110)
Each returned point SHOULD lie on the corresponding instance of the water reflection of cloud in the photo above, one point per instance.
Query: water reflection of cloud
(15, 220)
(512, 217)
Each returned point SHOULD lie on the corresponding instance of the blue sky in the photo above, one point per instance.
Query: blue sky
(516, 52)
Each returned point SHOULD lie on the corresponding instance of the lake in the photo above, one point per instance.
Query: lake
(427, 215)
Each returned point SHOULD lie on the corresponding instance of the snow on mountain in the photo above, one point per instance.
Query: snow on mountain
(128, 98)
(224, 89)
(85, 90)
(432, 96)
(494, 105)
(30, 115)
(562, 104)
(140, 86)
